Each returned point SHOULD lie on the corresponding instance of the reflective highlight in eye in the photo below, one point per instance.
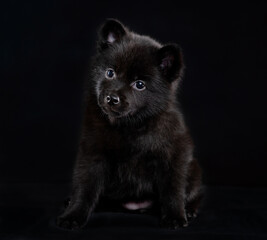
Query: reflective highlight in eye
(139, 85)
(110, 74)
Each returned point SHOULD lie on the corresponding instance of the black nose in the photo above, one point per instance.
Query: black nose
(112, 99)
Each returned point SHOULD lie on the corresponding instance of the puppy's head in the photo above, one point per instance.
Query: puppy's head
(134, 76)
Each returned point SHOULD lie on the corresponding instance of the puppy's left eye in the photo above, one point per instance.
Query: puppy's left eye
(139, 85)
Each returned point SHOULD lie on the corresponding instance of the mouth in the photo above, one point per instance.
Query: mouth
(114, 113)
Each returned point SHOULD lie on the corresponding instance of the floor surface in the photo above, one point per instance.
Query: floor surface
(28, 211)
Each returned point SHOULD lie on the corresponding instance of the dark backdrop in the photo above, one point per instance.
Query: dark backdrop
(45, 50)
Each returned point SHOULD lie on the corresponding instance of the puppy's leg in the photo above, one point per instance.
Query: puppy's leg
(88, 184)
(194, 190)
(172, 199)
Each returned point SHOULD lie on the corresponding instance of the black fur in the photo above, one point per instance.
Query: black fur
(138, 148)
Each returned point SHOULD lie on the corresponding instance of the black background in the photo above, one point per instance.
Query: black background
(45, 50)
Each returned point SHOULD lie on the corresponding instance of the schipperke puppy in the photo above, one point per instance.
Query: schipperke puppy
(135, 147)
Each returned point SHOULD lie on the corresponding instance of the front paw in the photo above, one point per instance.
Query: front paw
(173, 222)
(191, 215)
(72, 220)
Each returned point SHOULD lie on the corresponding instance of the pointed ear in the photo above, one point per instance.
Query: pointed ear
(110, 32)
(170, 61)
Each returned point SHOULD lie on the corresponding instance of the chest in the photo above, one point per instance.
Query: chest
(132, 178)
(134, 162)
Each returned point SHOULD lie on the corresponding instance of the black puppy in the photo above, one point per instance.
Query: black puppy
(135, 147)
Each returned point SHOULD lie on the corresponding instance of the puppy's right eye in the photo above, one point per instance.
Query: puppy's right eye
(110, 74)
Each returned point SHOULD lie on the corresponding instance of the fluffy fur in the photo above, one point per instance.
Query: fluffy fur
(135, 146)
